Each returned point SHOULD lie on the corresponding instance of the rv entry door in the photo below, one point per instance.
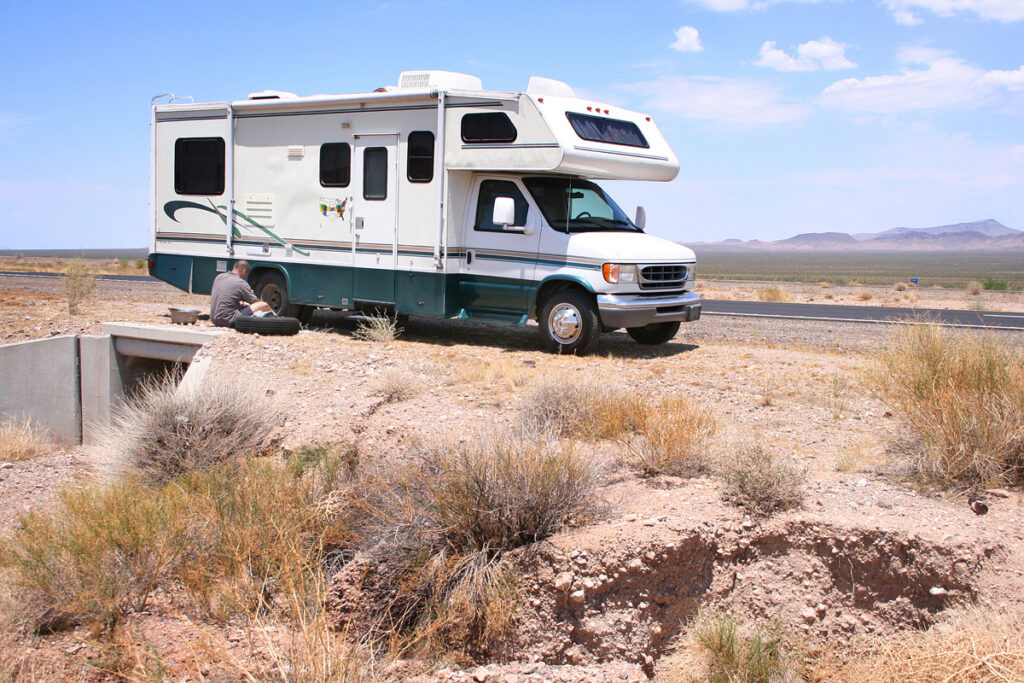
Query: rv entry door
(375, 219)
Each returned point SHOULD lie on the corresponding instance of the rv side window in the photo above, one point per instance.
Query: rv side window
(335, 164)
(199, 166)
(375, 173)
(612, 131)
(420, 163)
(489, 127)
(489, 190)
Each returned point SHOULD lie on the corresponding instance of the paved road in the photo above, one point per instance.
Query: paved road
(763, 309)
(866, 314)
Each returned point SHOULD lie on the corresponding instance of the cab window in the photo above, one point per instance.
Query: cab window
(489, 190)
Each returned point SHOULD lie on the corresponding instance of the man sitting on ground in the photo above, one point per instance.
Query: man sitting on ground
(232, 297)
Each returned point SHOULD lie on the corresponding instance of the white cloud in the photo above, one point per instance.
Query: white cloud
(726, 100)
(945, 81)
(687, 40)
(996, 10)
(825, 54)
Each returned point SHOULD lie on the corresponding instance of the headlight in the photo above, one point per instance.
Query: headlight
(619, 272)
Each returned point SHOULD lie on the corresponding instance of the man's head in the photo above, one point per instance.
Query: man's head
(241, 269)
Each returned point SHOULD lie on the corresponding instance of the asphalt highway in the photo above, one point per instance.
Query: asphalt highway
(763, 309)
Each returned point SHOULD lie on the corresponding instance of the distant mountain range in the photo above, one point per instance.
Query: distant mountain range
(986, 234)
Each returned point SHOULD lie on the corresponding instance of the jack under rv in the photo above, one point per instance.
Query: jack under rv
(433, 198)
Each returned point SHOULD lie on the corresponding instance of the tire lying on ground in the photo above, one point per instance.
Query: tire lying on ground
(282, 326)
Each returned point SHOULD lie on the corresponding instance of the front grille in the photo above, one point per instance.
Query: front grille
(663, 276)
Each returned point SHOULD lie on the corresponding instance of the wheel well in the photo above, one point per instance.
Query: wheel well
(551, 287)
(258, 272)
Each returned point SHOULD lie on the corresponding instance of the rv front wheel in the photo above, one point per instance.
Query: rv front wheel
(272, 288)
(569, 322)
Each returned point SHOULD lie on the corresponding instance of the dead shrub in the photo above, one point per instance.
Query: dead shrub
(963, 395)
(582, 408)
(975, 288)
(759, 480)
(900, 287)
(973, 646)
(502, 371)
(718, 648)
(167, 430)
(397, 384)
(378, 328)
(865, 294)
(773, 293)
(241, 538)
(20, 440)
(78, 284)
(672, 439)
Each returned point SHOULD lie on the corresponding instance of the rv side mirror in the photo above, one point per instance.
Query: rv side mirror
(504, 212)
(641, 218)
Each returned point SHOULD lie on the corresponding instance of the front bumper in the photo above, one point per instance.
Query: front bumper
(630, 310)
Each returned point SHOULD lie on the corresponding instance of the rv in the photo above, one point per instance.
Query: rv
(430, 198)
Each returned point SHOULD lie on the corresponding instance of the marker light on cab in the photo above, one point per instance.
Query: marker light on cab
(619, 272)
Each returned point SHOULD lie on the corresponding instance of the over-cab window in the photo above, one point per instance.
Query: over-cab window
(488, 127)
(489, 190)
(335, 164)
(375, 173)
(612, 131)
(199, 166)
(420, 161)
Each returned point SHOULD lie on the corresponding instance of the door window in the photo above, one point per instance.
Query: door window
(375, 173)
(489, 190)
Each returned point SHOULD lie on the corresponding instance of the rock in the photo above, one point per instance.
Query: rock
(577, 597)
(808, 615)
(998, 493)
(862, 482)
(481, 674)
(563, 581)
(938, 591)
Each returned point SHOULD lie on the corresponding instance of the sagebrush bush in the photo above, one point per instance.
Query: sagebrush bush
(672, 439)
(963, 395)
(399, 384)
(78, 284)
(377, 328)
(865, 294)
(239, 538)
(166, 430)
(774, 293)
(582, 407)
(759, 480)
(20, 440)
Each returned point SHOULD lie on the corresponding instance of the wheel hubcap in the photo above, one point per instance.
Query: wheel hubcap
(565, 323)
(272, 296)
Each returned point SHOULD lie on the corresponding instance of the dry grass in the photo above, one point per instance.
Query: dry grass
(379, 329)
(975, 288)
(20, 440)
(759, 480)
(865, 294)
(240, 538)
(501, 372)
(769, 388)
(673, 439)
(773, 293)
(975, 646)
(963, 395)
(900, 287)
(836, 398)
(398, 384)
(582, 407)
(718, 649)
(78, 284)
(165, 430)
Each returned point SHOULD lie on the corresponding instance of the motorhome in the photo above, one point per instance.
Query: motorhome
(433, 198)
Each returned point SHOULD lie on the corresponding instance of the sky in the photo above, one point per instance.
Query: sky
(788, 116)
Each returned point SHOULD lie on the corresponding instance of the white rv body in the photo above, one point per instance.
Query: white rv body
(387, 200)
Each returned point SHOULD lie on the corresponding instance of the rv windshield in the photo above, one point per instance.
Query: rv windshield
(576, 205)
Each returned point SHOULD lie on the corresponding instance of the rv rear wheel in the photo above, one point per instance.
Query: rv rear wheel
(271, 288)
(655, 333)
(569, 323)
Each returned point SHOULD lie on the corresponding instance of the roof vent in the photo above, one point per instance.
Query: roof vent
(549, 87)
(272, 95)
(442, 80)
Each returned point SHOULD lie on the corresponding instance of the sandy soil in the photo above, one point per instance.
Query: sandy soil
(865, 554)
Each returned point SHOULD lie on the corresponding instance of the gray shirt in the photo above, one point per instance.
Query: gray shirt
(226, 297)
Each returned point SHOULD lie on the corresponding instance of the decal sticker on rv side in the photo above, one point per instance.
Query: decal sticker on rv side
(333, 208)
(171, 208)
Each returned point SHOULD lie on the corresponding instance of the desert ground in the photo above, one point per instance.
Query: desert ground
(862, 557)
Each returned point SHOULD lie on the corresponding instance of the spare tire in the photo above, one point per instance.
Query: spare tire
(282, 326)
